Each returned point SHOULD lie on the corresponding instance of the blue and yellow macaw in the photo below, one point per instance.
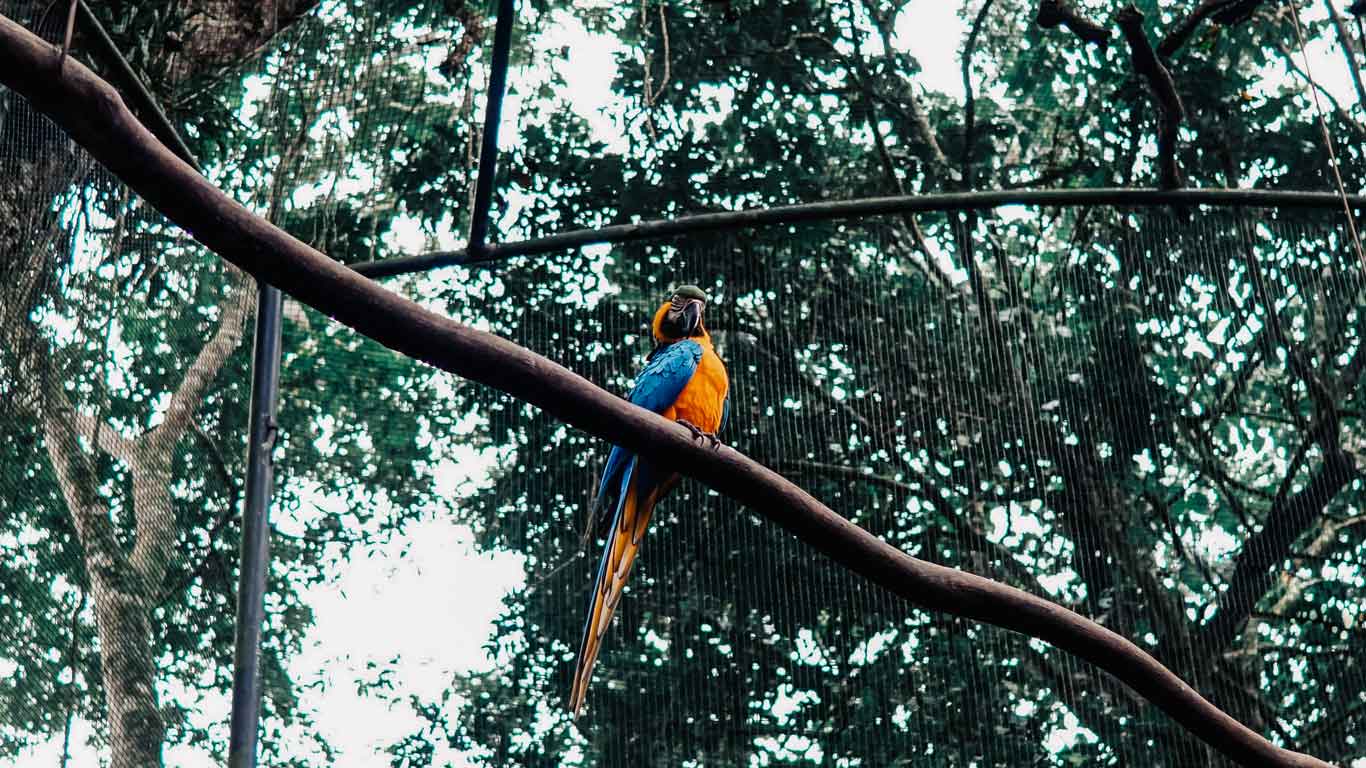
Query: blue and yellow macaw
(685, 381)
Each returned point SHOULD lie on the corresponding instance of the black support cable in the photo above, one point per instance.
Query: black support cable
(493, 115)
(141, 100)
(848, 209)
(244, 728)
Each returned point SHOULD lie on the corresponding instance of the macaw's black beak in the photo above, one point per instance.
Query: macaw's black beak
(692, 317)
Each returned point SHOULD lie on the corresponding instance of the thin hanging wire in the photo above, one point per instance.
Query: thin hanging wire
(1327, 136)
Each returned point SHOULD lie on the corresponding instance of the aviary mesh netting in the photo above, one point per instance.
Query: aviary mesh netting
(1103, 410)
(1153, 417)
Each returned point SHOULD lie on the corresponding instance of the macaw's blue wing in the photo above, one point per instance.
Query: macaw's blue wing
(638, 487)
(657, 387)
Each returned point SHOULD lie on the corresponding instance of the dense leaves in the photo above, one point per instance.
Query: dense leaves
(1149, 417)
(1152, 417)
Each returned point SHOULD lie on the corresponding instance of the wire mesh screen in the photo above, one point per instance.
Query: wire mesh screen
(1151, 417)
(125, 383)
(122, 419)
(1139, 415)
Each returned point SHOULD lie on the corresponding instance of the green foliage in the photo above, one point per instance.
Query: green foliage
(1089, 404)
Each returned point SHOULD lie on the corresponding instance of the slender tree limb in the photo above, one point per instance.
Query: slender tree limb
(1055, 13)
(970, 105)
(919, 119)
(189, 394)
(1291, 63)
(92, 113)
(1253, 570)
(1163, 89)
(1348, 50)
(871, 99)
(1224, 12)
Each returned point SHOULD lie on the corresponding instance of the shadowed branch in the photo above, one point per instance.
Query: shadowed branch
(1163, 89)
(1055, 13)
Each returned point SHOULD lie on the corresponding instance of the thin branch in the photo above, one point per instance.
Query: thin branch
(66, 38)
(1288, 56)
(92, 114)
(920, 121)
(1345, 40)
(221, 466)
(970, 105)
(1163, 89)
(1225, 12)
(200, 374)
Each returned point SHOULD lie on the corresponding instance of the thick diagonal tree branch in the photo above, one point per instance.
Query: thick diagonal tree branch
(91, 112)
(1163, 89)
(1054, 13)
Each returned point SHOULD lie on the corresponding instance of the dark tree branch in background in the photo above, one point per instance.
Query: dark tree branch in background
(1053, 13)
(1253, 574)
(1163, 89)
(1222, 12)
(970, 105)
(94, 116)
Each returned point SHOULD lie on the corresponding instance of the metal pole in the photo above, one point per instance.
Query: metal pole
(251, 589)
(493, 115)
(255, 565)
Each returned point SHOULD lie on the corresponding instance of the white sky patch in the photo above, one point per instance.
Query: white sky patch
(588, 69)
(411, 601)
(932, 32)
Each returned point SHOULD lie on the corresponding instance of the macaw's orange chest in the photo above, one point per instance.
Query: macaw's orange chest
(703, 398)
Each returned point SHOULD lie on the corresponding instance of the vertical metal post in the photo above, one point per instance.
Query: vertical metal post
(265, 387)
(493, 115)
(251, 589)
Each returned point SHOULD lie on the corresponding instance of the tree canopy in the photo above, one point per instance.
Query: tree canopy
(1152, 417)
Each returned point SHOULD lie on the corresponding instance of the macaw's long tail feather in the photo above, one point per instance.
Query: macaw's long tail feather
(644, 488)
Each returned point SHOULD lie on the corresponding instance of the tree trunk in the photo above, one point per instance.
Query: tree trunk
(136, 729)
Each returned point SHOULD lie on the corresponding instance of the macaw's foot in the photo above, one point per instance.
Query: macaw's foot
(699, 434)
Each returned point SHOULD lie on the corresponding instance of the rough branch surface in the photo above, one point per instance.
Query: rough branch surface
(1053, 13)
(91, 112)
(1163, 88)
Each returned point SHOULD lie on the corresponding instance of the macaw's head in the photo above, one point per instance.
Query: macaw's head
(681, 315)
